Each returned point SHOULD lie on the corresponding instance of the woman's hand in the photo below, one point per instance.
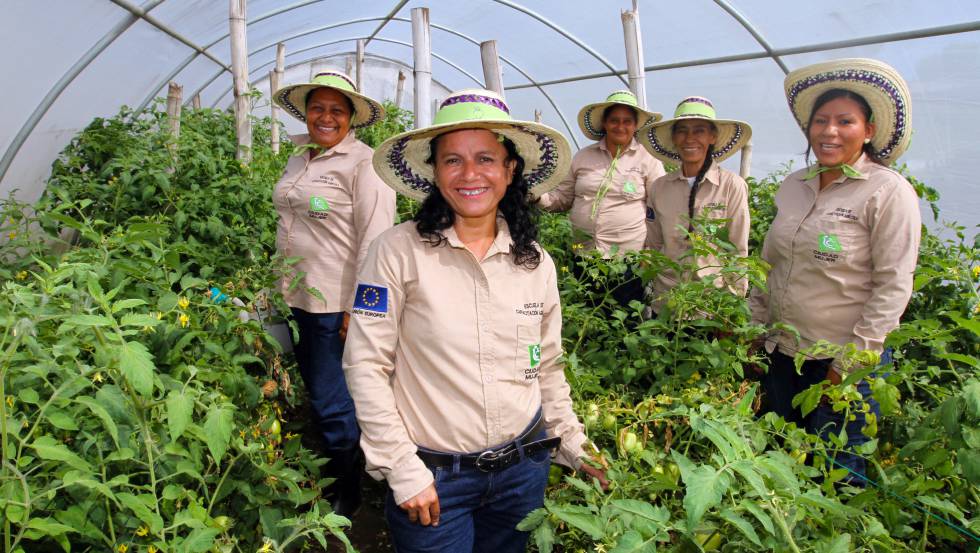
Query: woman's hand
(344, 325)
(597, 473)
(424, 507)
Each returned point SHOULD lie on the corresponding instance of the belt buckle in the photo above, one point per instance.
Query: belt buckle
(490, 457)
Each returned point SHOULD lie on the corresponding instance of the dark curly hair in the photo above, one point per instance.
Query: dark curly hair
(435, 214)
(834, 94)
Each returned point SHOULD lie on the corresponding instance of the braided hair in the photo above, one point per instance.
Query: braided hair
(697, 184)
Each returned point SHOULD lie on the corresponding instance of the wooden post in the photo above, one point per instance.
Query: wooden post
(422, 46)
(634, 55)
(196, 101)
(400, 89)
(746, 166)
(359, 63)
(537, 116)
(491, 67)
(175, 95)
(239, 67)
(275, 80)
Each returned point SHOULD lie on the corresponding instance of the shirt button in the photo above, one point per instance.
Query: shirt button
(488, 378)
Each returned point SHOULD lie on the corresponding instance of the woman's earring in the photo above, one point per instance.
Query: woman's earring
(867, 141)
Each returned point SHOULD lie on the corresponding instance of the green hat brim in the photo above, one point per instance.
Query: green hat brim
(400, 161)
(292, 98)
(733, 135)
(590, 118)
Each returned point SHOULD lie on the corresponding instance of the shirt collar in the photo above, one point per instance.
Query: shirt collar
(501, 242)
(862, 166)
(713, 176)
(342, 147)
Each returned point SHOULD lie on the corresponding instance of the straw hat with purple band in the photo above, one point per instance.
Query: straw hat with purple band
(878, 83)
(292, 98)
(400, 161)
(732, 134)
(590, 117)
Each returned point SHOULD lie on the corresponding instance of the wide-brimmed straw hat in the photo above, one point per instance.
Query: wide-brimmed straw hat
(590, 117)
(292, 98)
(400, 161)
(878, 83)
(732, 134)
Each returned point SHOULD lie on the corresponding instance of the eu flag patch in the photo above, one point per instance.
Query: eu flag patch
(370, 297)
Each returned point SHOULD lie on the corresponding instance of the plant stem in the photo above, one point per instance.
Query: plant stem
(221, 482)
(781, 521)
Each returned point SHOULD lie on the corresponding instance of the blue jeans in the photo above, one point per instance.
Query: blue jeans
(781, 384)
(479, 511)
(319, 354)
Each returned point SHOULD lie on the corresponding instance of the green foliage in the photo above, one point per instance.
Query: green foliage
(136, 412)
(396, 121)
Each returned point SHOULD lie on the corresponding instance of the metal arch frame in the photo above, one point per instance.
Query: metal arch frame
(338, 41)
(756, 34)
(554, 26)
(55, 91)
(944, 30)
(394, 11)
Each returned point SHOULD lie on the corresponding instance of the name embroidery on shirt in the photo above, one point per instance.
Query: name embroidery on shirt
(319, 207)
(844, 213)
(531, 309)
(371, 301)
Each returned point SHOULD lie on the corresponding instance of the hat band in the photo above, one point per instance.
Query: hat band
(479, 98)
(469, 111)
(623, 98)
(671, 154)
(334, 80)
(868, 78)
(693, 108)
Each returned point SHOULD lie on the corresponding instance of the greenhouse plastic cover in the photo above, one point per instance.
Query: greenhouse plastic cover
(67, 61)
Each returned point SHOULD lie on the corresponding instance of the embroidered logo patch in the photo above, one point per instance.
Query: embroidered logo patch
(371, 300)
(534, 354)
(629, 187)
(830, 243)
(319, 207)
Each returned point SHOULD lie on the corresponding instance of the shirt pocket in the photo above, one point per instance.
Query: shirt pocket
(527, 358)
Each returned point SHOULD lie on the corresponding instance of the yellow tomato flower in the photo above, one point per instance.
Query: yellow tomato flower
(159, 315)
(122, 548)
(142, 531)
(266, 547)
(183, 303)
(97, 377)
(22, 275)
(184, 319)
(976, 272)
(151, 549)
(695, 377)
(10, 401)
(12, 235)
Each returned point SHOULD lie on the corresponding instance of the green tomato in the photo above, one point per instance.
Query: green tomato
(592, 415)
(275, 428)
(709, 541)
(555, 475)
(631, 443)
(609, 421)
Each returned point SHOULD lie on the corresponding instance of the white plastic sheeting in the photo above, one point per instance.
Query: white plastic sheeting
(690, 47)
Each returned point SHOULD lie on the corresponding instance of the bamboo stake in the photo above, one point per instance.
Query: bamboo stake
(746, 166)
(634, 55)
(491, 67)
(239, 66)
(537, 116)
(421, 46)
(400, 89)
(196, 101)
(275, 78)
(360, 64)
(175, 95)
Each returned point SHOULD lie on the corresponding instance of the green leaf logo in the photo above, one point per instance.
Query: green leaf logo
(319, 204)
(629, 187)
(830, 243)
(534, 354)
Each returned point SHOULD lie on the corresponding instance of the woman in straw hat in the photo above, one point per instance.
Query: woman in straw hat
(331, 205)
(609, 183)
(697, 141)
(844, 242)
(455, 339)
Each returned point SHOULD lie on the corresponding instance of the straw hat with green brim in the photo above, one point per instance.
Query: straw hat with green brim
(400, 161)
(590, 117)
(878, 83)
(732, 134)
(292, 98)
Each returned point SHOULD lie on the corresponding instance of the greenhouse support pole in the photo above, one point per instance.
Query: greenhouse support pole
(537, 116)
(175, 95)
(421, 46)
(399, 89)
(348, 67)
(359, 63)
(634, 55)
(275, 79)
(746, 166)
(239, 67)
(491, 67)
(196, 101)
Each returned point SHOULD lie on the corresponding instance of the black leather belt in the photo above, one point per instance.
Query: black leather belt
(493, 460)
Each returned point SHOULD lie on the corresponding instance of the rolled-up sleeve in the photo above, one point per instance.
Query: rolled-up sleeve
(561, 198)
(556, 401)
(895, 234)
(374, 207)
(369, 361)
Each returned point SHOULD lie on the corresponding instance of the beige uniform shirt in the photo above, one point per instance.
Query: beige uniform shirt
(620, 214)
(842, 258)
(453, 354)
(330, 209)
(721, 195)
